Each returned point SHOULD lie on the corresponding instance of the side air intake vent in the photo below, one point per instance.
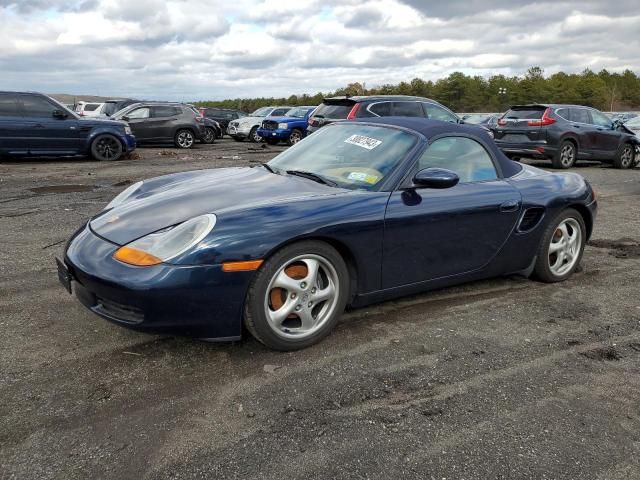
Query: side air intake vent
(530, 219)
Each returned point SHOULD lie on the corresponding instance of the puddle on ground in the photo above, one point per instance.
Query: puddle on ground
(63, 189)
(622, 248)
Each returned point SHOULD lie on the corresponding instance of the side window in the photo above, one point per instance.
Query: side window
(580, 115)
(600, 119)
(435, 112)
(382, 109)
(139, 113)
(407, 109)
(164, 112)
(462, 155)
(279, 112)
(37, 107)
(563, 112)
(9, 106)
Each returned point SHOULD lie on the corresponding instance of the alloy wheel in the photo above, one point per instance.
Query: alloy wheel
(567, 155)
(108, 148)
(185, 139)
(626, 158)
(302, 296)
(295, 137)
(564, 248)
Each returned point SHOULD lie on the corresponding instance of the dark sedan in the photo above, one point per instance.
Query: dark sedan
(565, 134)
(358, 212)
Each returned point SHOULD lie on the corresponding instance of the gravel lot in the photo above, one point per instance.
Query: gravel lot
(506, 378)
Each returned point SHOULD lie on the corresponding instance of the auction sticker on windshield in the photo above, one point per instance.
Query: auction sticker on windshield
(364, 142)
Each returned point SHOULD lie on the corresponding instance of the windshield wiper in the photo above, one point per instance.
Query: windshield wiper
(313, 176)
(268, 167)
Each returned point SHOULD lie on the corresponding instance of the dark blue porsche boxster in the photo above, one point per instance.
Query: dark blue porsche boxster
(358, 212)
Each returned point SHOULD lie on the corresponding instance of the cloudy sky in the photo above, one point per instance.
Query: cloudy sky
(210, 49)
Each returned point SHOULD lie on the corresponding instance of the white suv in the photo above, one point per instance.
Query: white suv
(89, 109)
(247, 127)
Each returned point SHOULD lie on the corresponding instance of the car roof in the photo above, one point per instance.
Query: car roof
(433, 128)
(362, 98)
(550, 105)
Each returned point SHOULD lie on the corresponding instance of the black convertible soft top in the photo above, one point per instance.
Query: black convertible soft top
(433, 128)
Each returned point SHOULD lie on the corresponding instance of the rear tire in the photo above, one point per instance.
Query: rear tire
(106, 148)
(297, 296)
(184, 139)
(566, 155)
(626, 157)
(209, 135)
(561, 247)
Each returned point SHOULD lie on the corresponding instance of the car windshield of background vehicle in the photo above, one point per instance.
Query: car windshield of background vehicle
(261, 112)
(328, 110)
(352, 156)
(475, 119)
(297, 112)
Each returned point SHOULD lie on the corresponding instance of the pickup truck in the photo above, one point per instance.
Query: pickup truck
(290, 129)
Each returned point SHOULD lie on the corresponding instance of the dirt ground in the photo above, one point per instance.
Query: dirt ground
(506, 378)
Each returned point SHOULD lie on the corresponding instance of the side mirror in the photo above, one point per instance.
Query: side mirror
(435, 178)
(59, 114)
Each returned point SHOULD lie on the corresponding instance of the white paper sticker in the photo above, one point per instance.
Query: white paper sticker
(357, 176)
(364, 142)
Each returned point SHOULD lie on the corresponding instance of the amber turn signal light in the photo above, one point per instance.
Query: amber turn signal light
(133, 256)
(241, 266)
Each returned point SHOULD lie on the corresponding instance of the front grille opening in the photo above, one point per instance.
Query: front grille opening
(118, 312)
(530, 219)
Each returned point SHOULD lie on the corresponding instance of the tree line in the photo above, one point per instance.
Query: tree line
(604, 90)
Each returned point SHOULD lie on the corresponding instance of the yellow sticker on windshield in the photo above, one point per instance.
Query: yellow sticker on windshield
(363, 177)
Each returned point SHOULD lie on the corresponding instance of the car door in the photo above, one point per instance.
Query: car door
(163, 121)
(48, 133)
(437, 233)
(13, 126)
(408, 109)
(605, 140)
(139, 121)
(580, 124)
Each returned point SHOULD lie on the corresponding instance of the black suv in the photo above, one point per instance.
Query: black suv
(33, 124)
(348, 108)
(162, 122)
(222, 115)
(564, 134)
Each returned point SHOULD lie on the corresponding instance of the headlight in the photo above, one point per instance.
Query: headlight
(166, 244)
(283, 126)
(123, 195)
(127, 130)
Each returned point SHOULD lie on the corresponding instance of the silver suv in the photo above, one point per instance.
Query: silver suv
(247, 127)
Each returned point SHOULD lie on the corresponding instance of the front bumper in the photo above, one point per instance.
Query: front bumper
(532, 149)
(279, 133)
(129, 142)
(194, 300)
(239, 131)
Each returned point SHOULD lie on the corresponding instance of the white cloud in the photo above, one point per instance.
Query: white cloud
(197, 49)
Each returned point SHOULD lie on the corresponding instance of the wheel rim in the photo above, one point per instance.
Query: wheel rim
(295, 137)
(256, 137)
(565, 245)
(208, 135)
(567, 155)
(627, 157)
(185, 139)
(108, 148)
(302, 296)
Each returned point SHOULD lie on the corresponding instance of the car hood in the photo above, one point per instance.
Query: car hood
(287, 119)
(169, 200)
(96, 121)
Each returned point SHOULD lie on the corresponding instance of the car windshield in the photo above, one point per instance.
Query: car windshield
(351, 156)
(634, 122)
(297, 112)
(261, 112)
(476, 119)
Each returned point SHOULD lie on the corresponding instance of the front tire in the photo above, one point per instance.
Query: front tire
(626, 158)
(184, 139)
(253, 135)
(295, 137)
(297, 296)
(561, 247)
(106, 148)
(566, 155)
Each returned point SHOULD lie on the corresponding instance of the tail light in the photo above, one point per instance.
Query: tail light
(544, 121)
(353, 112)
(502, 122)
(200, 119)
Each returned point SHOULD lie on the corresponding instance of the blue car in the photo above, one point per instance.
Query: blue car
(360, 212)
(290, 129)
(33, 124)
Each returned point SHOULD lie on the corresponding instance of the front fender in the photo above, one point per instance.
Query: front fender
(99, 130)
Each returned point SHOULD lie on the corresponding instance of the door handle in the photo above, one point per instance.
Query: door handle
(575, 126)
(510, 206)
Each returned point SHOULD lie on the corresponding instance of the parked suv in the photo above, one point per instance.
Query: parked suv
(247, 127)
(33, 124)
(89, 109)
(290, 129)
(564, 134)
(348, 108)
(222, 115)
(163, 122)
(112, 106)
